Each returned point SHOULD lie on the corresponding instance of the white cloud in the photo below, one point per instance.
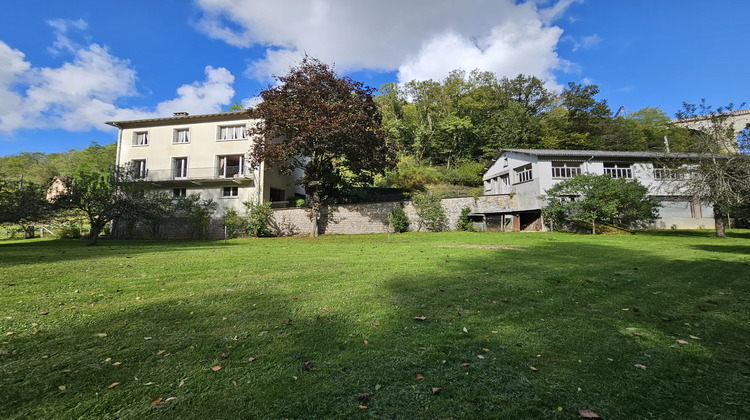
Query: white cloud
(585, 43)
(420, 39)
(81, 94)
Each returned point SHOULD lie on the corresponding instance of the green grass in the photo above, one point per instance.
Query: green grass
(569, 307)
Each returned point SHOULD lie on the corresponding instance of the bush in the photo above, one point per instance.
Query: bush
(235, 224)
(466, 174)
(295, 202)
(398, 220)
(464, 224)
(430, 212)
(197, 213)
(258, 217)
(70, 231)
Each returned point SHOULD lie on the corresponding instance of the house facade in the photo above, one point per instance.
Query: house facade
(201, 154)
(528, 173)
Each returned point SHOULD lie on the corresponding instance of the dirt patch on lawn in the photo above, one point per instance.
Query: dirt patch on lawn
(508, 247)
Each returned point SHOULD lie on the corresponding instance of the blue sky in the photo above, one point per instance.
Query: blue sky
(67, 67)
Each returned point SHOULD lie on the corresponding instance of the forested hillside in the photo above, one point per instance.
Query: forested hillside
(38, 168)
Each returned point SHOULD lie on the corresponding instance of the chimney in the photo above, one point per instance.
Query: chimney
(181, 114)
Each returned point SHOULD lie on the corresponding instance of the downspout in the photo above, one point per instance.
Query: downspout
(119, 146)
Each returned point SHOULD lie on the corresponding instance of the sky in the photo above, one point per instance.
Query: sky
(67, 67)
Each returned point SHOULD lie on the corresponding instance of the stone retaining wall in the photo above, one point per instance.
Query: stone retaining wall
(344, 219)
(373, 217)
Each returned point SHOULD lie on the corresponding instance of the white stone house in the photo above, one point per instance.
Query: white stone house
(528, 173)
(201, 154)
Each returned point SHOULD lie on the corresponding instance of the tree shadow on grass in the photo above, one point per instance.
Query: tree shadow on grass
(558, 306)
(49, 251)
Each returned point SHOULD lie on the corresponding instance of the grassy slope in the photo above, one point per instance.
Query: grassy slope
(555, 305)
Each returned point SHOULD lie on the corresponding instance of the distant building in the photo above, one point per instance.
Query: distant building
(528, 173)
(201, 154)
(56, 188)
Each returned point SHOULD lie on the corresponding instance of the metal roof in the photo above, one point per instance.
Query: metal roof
(179, 118)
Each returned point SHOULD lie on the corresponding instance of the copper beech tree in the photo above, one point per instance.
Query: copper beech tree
(327, 125)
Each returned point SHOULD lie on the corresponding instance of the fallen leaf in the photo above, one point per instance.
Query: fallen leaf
(170, 399)
(533, 368)
(116, 363)
(44, 313)
(480, 356)
(234, 383)
(107, 359)
(637, 334)
(640, 366)
(160, 352)
(365, 341)
(34, 324)
(465, 364)
(156, 400)
(364, 397)
(62, 388)
(181, 384)
(114, 384)
(694, 337)
(148, 383)
(625, 309)
(465, 330)
(252, 359)
(420, 318)
(326, 309)
(681, 342)
(588, 414)
(494, 332)
(308, 365)
(418, 376)
(288, 321)
(363, 407)
(216, 368)
(436, 390)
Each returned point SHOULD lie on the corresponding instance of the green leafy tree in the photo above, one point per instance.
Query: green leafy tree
(720, 174)
(23, 204)
(430, 212)
(597, 199)
(103, 197)
(258, 218)
(464, 223)
(325, 124)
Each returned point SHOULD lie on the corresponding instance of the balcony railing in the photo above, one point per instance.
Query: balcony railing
(195, 174)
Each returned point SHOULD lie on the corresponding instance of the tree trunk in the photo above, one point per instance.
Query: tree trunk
(28, 232)
(94, 234)
(593, 227)
(314, 214)
(719, 222)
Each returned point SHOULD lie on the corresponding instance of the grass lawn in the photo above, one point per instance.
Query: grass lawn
(653, 325)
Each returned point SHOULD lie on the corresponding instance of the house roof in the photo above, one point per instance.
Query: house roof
(549, 153)
(179, 117)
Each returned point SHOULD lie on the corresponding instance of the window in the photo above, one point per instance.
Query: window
(179, 192)
(230, 192)
(618, 170)
(666, 174)
(232, 132)
(505, 162)
(565, 169)
(230, 166)
(179, 167)
(138, 168)
(277, 194)
(181, 135)
(140, 138)
(523, 174)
